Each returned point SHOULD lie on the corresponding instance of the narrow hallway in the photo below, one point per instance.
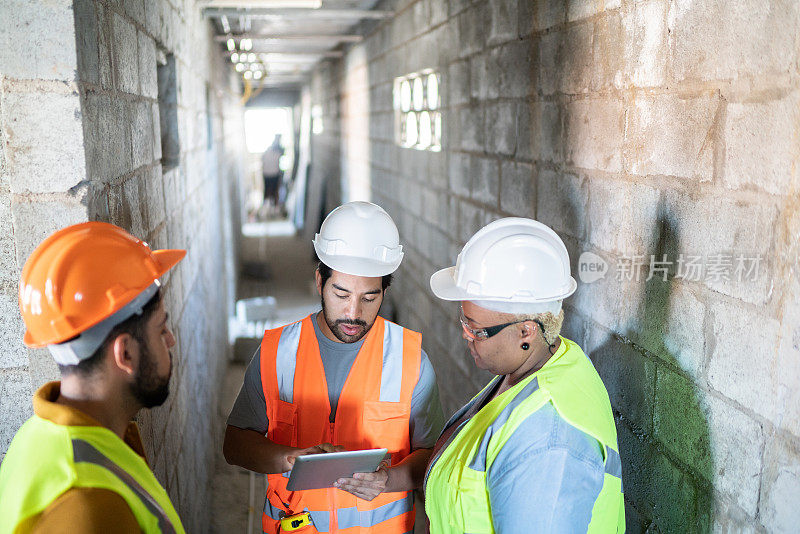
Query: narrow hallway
(277, 263)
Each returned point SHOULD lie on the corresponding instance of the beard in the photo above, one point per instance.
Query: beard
(335, 326)
(149, 389)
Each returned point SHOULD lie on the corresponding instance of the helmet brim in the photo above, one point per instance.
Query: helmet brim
(168, 258)
(359, 266)
(443, 285)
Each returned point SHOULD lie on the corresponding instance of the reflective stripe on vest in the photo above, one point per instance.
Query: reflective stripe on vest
(373, 411)
(286, 361)
(392, 370)
(46, 459)
(351, 517)
(83, 451)
(457, 499)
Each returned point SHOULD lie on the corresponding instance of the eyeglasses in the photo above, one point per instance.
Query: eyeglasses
(477, 334)
(482, 333)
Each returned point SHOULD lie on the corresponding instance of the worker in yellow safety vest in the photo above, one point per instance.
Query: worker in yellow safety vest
(536, 449)
(91, 294)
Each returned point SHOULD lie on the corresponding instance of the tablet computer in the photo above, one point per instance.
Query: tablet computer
(315, 471)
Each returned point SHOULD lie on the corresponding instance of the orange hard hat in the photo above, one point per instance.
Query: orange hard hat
(83, 274)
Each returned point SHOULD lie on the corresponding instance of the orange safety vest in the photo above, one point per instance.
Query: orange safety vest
(373, 412)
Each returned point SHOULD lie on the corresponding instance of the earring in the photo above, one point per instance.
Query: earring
(525, 346)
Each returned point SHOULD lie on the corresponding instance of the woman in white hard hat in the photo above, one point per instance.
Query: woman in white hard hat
(536, 449)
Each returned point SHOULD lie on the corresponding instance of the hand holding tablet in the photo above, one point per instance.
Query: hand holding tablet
(315, 471)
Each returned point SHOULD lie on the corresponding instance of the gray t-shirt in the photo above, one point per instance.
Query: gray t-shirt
(250, 409)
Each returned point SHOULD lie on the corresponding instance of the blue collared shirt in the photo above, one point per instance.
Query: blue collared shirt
(546, 477)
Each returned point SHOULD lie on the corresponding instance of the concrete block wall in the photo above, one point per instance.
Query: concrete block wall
(188, 202)
(634, 129)
(42, 165)
(82, 141)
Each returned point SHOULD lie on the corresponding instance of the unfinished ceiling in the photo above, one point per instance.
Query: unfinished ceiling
(276, 43)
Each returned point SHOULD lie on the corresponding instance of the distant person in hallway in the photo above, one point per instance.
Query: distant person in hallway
(341, 379)
(90, 293)
(536, 449)
(271, 170)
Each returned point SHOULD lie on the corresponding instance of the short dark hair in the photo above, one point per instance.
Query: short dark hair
(133, 325)
(325, 273)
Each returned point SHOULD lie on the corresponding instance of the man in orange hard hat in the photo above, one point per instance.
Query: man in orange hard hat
(91, 294)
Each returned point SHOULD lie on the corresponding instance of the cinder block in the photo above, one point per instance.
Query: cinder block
(152, 17)
(550, 69)
(479, 76)
(42, 367)
(721, 443)
(504, 24)
(472, 132)
(608, 53)
(14, 353)
(30, 228)
(38, 40)
(140, 114)
(471, 218)
(760, 144)
(156, 138)
(548, 14)
(501, 128)
(575, 60)
(595, 134)
(731, 370)
(539, 127)
(678, 503)
(458, 86)
(623, 217)
(561, 202)
(670, 323)
(517, 189)
(525, 15)
(511, 67)
(135, 10)
(646, 49)
(629, 376)
(86, 32)
(44, 141)
(125, 49)
(770, 46)
(579, 9)
(673, 136)
(788, 395)
(738, 243)
(15, 403)
(486, 180)
(780, 485)
(471, 29)
(105, 37)
(147, 66)
(9, 271)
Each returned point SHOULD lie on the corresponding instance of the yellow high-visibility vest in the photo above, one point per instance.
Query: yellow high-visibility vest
(456, 494)
(46, 459)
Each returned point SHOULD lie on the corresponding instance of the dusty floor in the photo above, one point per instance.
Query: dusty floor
(280, 266)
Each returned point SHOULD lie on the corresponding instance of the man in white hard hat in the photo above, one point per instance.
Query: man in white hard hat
(536, 450)
(341, 379)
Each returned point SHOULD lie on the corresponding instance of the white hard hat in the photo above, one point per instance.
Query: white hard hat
(359, 238)
(512, 265)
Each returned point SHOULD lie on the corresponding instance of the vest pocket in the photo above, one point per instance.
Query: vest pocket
(470, 500)
(283, 423)
(385, 425)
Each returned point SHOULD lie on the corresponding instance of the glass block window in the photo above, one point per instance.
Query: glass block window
(418, 118)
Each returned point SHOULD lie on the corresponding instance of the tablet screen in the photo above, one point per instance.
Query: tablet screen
(315, 471)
